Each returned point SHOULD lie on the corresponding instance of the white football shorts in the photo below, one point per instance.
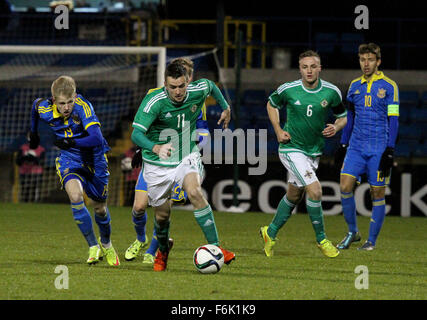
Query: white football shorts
(161, 180)
(301, 168)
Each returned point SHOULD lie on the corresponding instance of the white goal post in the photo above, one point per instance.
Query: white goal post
(160, 51)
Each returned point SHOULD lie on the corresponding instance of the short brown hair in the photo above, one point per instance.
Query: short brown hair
(370, 48)
(308, 53)
(176, 69)
(64, 85)
(186, 62)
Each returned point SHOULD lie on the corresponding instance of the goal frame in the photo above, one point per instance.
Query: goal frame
(160, 51)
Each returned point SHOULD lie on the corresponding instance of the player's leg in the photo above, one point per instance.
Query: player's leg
(284, 211)
(190, 174)
(162, 225)
(307, 170)
(315, 212)
(354, 165)
(203, 211)
(378, 186)
(81, 215)
(103, 220)
(377, 217)
(139, 219)
(96, 188)
(286, 205)
(160, 181)
(347, 185)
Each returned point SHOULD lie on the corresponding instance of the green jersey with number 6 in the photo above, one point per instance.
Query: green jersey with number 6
(307, 112)
(165, 121)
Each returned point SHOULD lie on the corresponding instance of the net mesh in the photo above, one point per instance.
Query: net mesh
(113, 83)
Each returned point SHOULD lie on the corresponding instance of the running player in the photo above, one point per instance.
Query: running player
(301, 143)
(165, 128)
(139, 215)
(82, 164)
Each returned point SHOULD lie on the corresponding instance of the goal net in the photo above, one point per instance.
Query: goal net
(113, 79)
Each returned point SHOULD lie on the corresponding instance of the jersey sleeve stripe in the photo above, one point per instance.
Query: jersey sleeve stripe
(341, 115)
(86, 108)
(153, 100)
(272, 103)
(288, 86)
(395, 89)
(353, 82)
(91, 124)
(44, 110)
(140, 126)
(333, 87)
(204, 111)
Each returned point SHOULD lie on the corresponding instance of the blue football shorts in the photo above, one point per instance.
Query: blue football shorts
(141, 185)
(357, 163)
(94, 182)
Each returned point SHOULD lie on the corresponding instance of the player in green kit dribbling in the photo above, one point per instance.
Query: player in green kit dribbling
(165, 128)
(301, 143)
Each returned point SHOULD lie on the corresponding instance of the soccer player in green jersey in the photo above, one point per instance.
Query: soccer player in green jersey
(165, 128)
(301, 143)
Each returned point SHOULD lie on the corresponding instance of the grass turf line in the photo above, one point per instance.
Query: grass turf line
(36, 238)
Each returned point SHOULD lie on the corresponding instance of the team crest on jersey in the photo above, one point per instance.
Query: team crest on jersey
(381, 93)
(76, 119)
(194, 108)
(324, 103)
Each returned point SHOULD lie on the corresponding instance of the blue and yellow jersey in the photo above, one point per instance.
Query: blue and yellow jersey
(374, 101)
(82, 117)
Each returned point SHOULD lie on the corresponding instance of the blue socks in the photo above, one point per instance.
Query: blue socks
(84, 221)
(377, 219)
(139, 222)
(154, 245)
(349, 210)
(104, 225)
(82, 217)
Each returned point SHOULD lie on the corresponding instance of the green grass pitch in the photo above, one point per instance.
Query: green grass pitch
(36, 238)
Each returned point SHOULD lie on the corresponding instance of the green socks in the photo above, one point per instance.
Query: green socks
(314, 209)
(206, 221)
(284, 211)
(162, 235)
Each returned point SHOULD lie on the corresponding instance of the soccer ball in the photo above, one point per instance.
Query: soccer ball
(208, 259)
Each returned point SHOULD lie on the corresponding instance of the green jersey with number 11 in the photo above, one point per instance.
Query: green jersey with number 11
(307, 112)
(165, 121)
